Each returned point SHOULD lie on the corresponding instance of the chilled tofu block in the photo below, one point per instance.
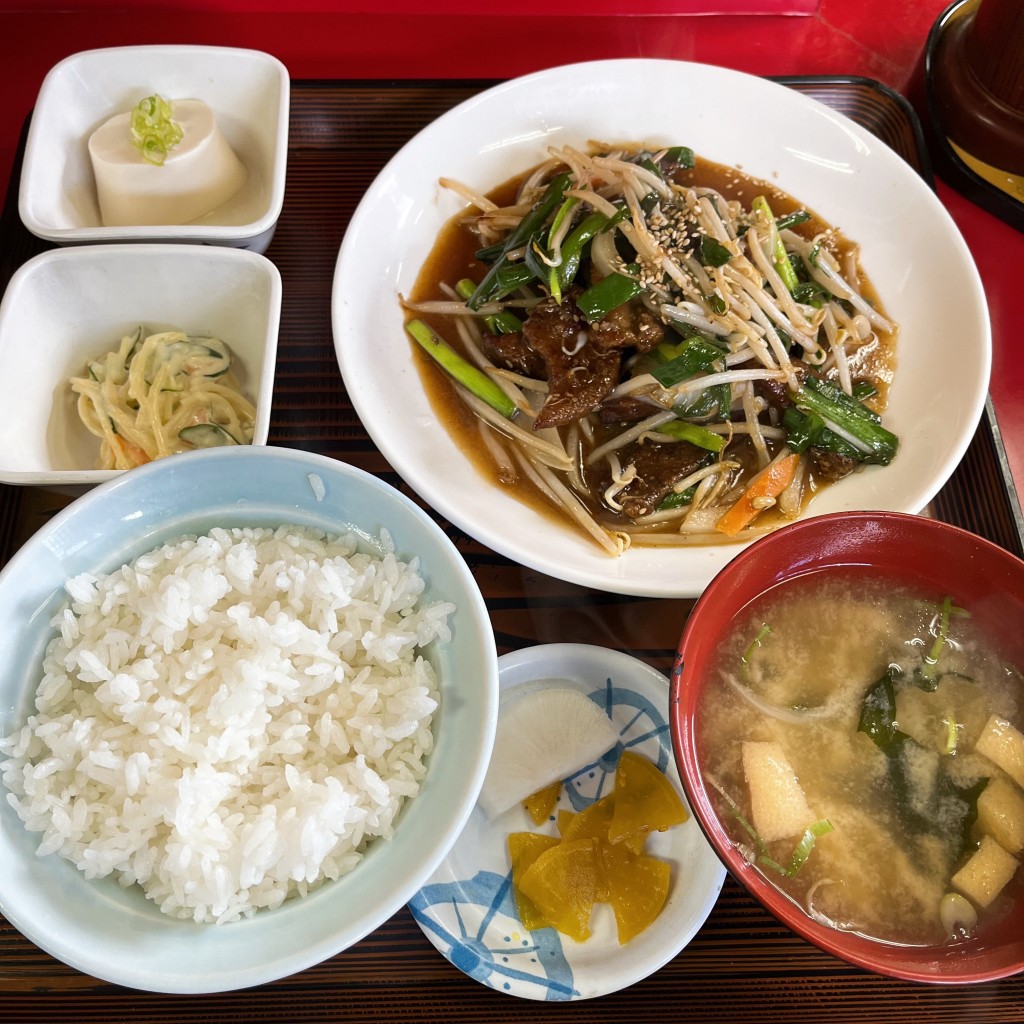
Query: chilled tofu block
(777, 802)
(1001, 814)
(197, 176)
(1002, 743)
(985, 875)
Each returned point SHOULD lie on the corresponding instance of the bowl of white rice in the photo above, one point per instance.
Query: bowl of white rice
(247, 701)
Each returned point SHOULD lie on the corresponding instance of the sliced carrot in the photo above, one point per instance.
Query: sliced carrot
(769, 483)
(131, 453)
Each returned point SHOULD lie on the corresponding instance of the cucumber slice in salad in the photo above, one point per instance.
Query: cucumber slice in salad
(195, 356)
(206, 356)
(207, 435)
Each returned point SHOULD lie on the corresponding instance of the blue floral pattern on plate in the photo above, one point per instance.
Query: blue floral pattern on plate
(467, 909)
(496, 950)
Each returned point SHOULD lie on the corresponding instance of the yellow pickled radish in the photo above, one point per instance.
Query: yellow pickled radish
(634, 843)
(568, 830)
(598, 857)
(638, 888)
(539, 805)
(562, 883)
(523, 849)
(592, 823)
(564, 821)
(645, 799)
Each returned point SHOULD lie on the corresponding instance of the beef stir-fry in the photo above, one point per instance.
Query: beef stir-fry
(662, 358)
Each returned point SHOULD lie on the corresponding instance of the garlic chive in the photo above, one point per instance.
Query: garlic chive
(473, 380)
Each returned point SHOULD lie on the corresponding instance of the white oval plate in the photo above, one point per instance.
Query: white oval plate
(910, 248)
(466, 909)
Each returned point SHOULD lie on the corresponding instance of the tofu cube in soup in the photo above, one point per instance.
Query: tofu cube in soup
(777, 802)
(1001, 814)
(1003, 744)
(985, 875)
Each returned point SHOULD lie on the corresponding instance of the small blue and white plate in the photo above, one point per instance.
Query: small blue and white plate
(466, 908)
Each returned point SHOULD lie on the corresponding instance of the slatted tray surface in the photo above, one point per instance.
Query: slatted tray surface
(743, 965)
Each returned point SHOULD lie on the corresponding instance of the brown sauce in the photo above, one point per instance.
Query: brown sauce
(452, 258)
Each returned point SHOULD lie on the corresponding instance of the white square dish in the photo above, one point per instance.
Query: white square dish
(68, 306)
(248, 92)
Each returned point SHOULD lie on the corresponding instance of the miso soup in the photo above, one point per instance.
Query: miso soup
(840, 743)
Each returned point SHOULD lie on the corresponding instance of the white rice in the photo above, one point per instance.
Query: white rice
(230, 719)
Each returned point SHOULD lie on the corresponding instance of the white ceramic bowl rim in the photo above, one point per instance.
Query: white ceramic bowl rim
(116, 934)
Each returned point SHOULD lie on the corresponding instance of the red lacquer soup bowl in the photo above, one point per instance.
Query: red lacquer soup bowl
(924, 555)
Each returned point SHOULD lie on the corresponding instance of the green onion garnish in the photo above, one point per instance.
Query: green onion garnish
(682, 155)
(502, 322)
(952, 733)
(762, 635)
(696, 435)
(154, 131)
(931, 661)
(802, 851)
(609, 293)
(790, 220)
(530, 225)
(776, 249)
(676, 499)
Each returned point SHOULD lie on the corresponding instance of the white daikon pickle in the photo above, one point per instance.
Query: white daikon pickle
(185, 173)
(542, 736)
